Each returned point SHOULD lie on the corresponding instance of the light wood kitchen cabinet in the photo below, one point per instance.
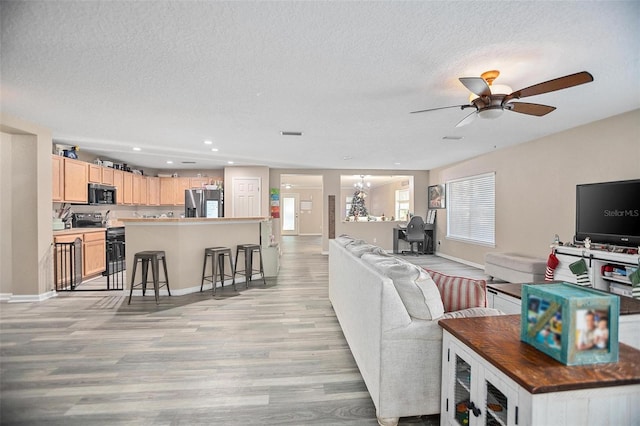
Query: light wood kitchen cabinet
(118, 182)
(76, 181)
(182, 184)
(153, 193)
(135, 189)
(127, 188)
(199, 182)
(93, 255)
(139, 190)
(167, 191)
(57, 178)
(107, 176)
(95, 173)
(93, 250)
(144, 189)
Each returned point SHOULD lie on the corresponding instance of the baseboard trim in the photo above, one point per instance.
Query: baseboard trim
(463, 261)
(189, 290)
(5, 297)
(30, 298)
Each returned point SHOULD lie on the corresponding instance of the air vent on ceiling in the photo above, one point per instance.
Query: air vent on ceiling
(291, 133)
(452, 138)
(188, 162)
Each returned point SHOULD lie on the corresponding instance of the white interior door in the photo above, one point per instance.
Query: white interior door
(289, 211)
(246, 197)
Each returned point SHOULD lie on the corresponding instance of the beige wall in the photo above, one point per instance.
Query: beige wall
(28, 212)
(535, 183)
(310, 221)
(6, 262)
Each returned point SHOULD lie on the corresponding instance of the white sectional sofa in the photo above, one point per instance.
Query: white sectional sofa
(388, 310)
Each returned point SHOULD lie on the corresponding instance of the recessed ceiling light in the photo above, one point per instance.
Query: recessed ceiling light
(229, 162)
(208, 142)
(396, 164)
(214, 149)
(291, 133)
(135, 148)
(169, 162)
(452, 138)
(347, 157)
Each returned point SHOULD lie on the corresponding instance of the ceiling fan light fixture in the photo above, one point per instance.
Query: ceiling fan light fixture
(490, 112)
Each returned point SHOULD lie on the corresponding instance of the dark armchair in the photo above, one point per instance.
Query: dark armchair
(415, 234)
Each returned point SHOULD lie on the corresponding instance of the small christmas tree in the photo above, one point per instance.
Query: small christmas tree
(358, 209)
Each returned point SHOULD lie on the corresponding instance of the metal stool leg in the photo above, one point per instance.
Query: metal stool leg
(145, 272)
(262, 266)
(166, 274)
(233, 272)
(214, 261)
(156, 284)
(204, 269)
(133, 280)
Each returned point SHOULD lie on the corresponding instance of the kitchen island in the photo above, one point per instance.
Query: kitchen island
(184, 240)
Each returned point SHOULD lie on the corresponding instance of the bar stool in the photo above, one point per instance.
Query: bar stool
(153, 257)
(248, 250)
(217, 254)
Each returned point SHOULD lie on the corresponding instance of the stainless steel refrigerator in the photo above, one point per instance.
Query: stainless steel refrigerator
(203, 203)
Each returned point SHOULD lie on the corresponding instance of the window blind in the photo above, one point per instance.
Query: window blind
(471, 209)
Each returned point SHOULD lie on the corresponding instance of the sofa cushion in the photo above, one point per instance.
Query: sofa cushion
(358, 249)
(344, 239)
(473, 312)
(460, 293)
(416, 289)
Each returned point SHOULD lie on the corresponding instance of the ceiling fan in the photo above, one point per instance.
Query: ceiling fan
(490, 100)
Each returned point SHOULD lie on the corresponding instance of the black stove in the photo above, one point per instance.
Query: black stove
(87, 220)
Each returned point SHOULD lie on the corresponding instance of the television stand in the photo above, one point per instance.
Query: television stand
(596, 259)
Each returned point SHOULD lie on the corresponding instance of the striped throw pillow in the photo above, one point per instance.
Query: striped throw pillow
(460, 293)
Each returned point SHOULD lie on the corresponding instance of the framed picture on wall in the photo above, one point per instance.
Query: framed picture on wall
(437, 196)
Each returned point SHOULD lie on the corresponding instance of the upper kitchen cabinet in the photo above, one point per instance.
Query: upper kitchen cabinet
(76, 180)
(199, 182)
(118, 182)
(95, 173)
(57, 178)
(153, 191)
(127, 188)
(107, 176)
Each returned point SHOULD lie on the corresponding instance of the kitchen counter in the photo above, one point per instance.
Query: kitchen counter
(77, 231)
(183, 240)
(190, 220)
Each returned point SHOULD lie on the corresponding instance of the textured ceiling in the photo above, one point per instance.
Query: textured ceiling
(164, 76)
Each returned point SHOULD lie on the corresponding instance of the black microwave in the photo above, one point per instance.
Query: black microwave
(101, 194)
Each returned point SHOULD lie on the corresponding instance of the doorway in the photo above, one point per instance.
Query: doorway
(290, 210)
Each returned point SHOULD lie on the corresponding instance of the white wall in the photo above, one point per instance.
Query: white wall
(535, 183)
(6, 260)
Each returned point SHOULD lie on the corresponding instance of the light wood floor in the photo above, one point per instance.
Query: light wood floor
(271, 355)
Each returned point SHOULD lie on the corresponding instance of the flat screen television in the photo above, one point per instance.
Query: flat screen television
(609, 212)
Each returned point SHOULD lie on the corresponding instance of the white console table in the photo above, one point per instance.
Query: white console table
(490, 377)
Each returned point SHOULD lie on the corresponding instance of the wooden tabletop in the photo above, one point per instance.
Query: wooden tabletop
(497, 340)
(628, 305)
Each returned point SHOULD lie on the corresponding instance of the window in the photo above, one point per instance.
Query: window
(471, 209)
(402, 204)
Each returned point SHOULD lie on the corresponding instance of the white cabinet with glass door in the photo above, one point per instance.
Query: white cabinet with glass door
(472, 395)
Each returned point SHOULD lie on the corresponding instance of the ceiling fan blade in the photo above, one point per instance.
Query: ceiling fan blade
(468, 119)
(531, 109)
(476, 85)
(553, 85)
(435, 109)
